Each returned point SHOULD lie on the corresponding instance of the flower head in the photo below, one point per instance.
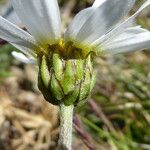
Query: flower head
(65, 64)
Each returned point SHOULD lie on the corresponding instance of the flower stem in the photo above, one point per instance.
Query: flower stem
(65, 136)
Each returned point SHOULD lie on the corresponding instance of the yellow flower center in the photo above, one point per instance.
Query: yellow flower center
(69, 49)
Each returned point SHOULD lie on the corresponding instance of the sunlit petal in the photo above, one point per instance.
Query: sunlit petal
(135, 42)
(121, 28)
(93, 22)
(25, 50)
(15, 35)
(41, 17)
(21, 57)
(97, 3)
(130, 32)
(79, 20)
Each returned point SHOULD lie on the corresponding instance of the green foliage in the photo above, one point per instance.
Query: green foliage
(121, 94)
(2, 2)
(125, 106)
(5, 60)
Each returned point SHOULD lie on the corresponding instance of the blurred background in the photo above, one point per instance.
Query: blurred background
(116, 117)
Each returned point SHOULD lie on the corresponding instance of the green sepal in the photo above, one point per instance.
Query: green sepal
(68, 81)
(46, 93)
(57, 66)
(85, 87)
(72, 97)
(44, 71)
(55, 88)
(93, 80)
(79, 69)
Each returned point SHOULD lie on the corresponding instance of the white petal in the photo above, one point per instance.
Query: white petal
(98, 20)
(15, 35)
(135, 42)
(121, 28)
(41, 17)
(77, 23)
(97, 3)
(130, 32)
(12, 17)
(21, 57)
(25, 50)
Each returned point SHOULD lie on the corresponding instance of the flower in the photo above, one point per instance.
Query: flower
(65, 64)
(101, 27)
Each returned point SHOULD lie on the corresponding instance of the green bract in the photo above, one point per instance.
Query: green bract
(65, 67)
(65, 80)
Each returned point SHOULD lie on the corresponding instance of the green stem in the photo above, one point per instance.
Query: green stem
(65, 136)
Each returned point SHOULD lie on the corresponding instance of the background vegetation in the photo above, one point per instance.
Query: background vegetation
(116, 117)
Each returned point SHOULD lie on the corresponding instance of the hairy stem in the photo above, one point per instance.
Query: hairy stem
(65, 136)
